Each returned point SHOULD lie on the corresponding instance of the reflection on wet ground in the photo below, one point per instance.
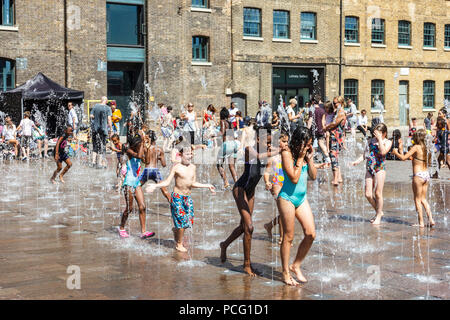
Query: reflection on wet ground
(46, 228)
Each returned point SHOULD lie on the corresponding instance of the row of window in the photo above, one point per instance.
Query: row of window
(281, 24)
(308, 28)
(377, 92)
(404, 32)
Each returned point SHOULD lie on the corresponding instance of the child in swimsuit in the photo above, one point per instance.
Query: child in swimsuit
(153, 154)
(182, 206)
(421, 176)
(132, 186)
(244, 193)
(118, 147)
(442, 134)
(375, 154)
(275, 184)
(61, 154)
(298, 164)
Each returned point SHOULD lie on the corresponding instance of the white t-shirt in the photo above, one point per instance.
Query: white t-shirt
(290, 111)
(26, 125)
(73, 119)
(352, 110)
(362, 120)
(189, 123)
(233, 114)
(9, 133)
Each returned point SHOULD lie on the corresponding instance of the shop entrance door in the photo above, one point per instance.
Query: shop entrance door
(300, 94)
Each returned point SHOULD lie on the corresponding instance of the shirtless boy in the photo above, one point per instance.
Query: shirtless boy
(153, 154)
(182, 206)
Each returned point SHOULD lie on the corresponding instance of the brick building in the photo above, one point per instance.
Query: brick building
(215, 51)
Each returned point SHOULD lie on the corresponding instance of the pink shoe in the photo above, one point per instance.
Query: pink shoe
(147, 235)
(123, 234)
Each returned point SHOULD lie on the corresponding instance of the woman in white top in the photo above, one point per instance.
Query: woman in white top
(362, 123)
(291, 114)
(167, 128)
(9, 134)
(189, 121)
(25, 127)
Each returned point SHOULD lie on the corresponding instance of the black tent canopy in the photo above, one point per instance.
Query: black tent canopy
(41, 87)
(42, 93)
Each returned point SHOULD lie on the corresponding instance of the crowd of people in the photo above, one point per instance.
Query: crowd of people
(284, 147)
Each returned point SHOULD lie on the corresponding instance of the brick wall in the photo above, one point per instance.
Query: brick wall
(237, 64)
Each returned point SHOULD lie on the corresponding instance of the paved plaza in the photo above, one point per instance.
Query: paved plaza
(46, 229)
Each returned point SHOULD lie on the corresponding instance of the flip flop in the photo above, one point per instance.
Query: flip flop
(123, 234)
(147, 234)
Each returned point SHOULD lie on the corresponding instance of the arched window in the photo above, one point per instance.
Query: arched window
(281, 24)
(352, 29)
(447, 36)
(378, 28)
(377, 92)
(7, 74)
(429, 35)
(252, 22)
(308, 26)
(447, 90)
(404, 33)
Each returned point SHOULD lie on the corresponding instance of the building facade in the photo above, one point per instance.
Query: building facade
(217, 51)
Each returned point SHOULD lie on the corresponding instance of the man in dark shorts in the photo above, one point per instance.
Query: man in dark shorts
(101, 128)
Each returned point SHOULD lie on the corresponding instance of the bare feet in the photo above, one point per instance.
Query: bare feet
(53, 180)
(287, 279)
(180, 247)
(268, 227)
(431, 223)
(298, 273)
(61, 178)
(419, 225)
(250, 271)
(223, 252)
(377, 219)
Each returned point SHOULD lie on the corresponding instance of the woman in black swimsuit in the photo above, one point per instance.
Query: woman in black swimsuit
(244, 195)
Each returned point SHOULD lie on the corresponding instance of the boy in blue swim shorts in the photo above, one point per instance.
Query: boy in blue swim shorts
(153, 154)
(181, 204)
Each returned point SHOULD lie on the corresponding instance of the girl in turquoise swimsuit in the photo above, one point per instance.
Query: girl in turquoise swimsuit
(298, 164)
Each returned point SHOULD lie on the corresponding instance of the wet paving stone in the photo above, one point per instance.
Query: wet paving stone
(46, 229)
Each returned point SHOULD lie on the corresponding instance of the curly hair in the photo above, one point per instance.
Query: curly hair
(300, 137)
(224, 113)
